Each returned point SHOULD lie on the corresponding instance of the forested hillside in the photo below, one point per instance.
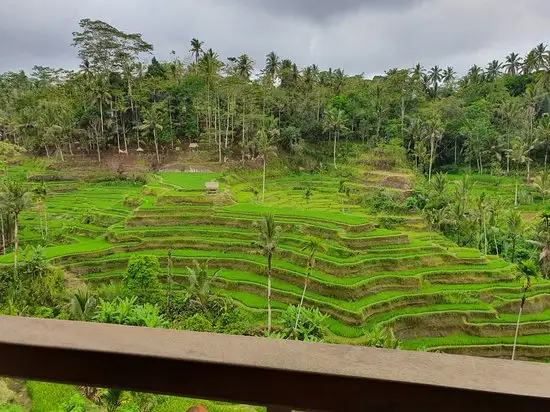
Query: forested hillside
(123, 99)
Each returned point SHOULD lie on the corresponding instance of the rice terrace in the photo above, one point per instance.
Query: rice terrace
(406, 210)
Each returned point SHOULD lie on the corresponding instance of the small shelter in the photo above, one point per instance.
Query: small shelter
(211, 187)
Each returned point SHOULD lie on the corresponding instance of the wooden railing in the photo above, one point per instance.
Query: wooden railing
(283, 374)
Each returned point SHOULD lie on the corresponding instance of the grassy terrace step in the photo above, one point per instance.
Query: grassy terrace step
(539, 353)
(466, 340)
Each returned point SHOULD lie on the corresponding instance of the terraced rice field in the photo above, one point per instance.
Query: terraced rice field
(434, 295)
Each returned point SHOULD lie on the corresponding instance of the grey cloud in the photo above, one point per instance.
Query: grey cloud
(322, 10)
(367, 36)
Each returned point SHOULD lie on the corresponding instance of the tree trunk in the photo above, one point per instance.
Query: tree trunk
(101, 116)
(334, 148)
(47, 151)
(456, 143)
(71, 148)
(269, 258)
(517, 326)
(124, 134)
(156, 143)
(244, 136)
(171, 127)
(263, 180)
(432, 150)
(60, 152)
(97, 147)
(15, 239)
(516, 194)
(309, 267)
(3, 234)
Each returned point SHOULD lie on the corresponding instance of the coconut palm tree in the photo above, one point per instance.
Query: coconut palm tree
(244, 66)
(266, 144)
(152, 124)
(83, 305)
(267, 243)
(513, 64)
(449, 75)
(313, 246)
(493, 70)
(528, 271)
(434, 131)
(475, 75)
(335, 123)
(200, 283)
(542, 242)
(541, 182)
(196, 49)
(41, 193)
(435, 76)
(272, 65)
(519, 153)
(508, 112)
(515, 229)
(530, 63)
(15, 198)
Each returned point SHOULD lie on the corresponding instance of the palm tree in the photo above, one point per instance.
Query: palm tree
(540, 52)
(41, 193)
(15, 198)
(267, 243)
(196, 49)
(152, 124)
(101, 96)
(527, 270)
(513, 64)
(314, 245)
(493, 70)
(449, 75)
(508, 112)
(83, 305)
(200, 283)
(519, 153)
(542, 242)
(543, 134)
(530, 63)
(272, 66)
(434, 128)
(417, 71)
(266, 145)
(515, 229)
(475, 74)
(335, 123)
(244, 66)
(435, 76)
(541, 182)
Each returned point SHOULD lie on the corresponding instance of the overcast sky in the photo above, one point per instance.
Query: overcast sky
(360, 36)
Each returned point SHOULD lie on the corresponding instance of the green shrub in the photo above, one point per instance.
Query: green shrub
(132, 201)
(6, 394)
(389, 222)
(381, 337)
(197, 323)
(141, 278)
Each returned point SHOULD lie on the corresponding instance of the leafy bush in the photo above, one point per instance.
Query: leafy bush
(312, 324)
(381, 337)
(383, 200)
(128, 312)
(132, 201)
(6, 394)
(141, 278)
(197, 323)
(389, 222)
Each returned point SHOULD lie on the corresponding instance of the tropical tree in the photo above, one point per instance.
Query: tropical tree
(449, 75)
(83, 304)
(196, 49)
(493, 70)
(541, 182)
(313, 246)
(527, 270)
(266, 144)
(200, 283)
(267, 243)
(513, 64)
(335, 123)
(15, 198)
(515, 230)
(272, 65)
(435, 76)
(434, 132)
(152, 124)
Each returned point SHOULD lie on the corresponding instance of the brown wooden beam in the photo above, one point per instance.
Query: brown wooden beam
(265, 371)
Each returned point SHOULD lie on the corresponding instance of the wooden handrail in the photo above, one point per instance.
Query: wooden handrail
(265, 371)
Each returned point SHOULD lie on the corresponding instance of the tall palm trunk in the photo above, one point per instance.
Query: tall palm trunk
(334, 148)
(124, 134)
(269, 258)
(15, 239)
(432, 149)
(309, 268)
(3, 234)
(156, 143)
(517, 326)
(263, 178)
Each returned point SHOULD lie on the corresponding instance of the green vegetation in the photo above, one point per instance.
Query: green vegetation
(405, 211)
